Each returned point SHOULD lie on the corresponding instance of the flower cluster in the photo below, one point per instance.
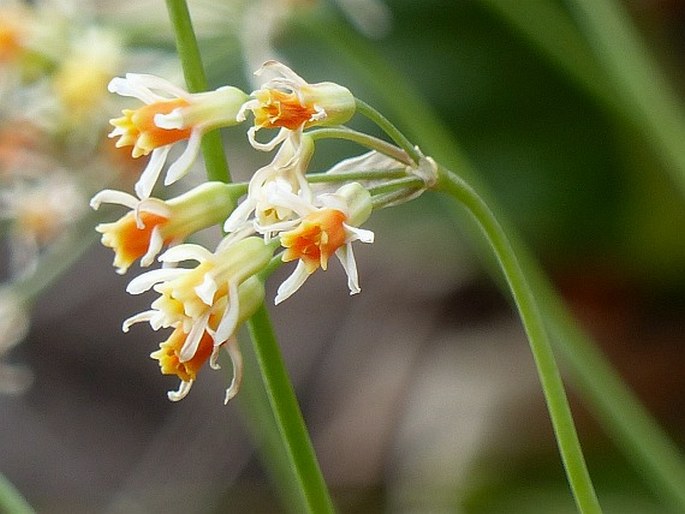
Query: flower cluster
(55, 64)
(281, 215)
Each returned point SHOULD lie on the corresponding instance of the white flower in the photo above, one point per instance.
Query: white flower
(324, 231)
(170, 115)
(285, 172)
(289, 103)
(152, 223)
(204, 304)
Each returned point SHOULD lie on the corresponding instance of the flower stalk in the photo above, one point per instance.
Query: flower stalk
(287, 415)
(196, 80)
(11, 500)
(533, 322)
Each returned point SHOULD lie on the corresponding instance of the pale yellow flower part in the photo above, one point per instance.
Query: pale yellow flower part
(212, 299)
(325, 229)
(289, 103)
(170, 115)
(153, 223)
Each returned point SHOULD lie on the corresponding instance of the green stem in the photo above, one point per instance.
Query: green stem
(351, 176)
(397, 136)
(627, 422)
(406, 183)
(362, 139)
(255, 409)
(11, 500)
(643, 442)
(196, 79)
(533, 322)
(288, 416)
(286, 413)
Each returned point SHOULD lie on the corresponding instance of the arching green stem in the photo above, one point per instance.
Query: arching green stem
(390, 129)
(362, 139)
(533, 322)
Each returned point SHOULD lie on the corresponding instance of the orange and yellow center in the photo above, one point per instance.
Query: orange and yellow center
(280, 109)
(128, 241)
(169, 351)
(10, 45)
(140, 131)
(317, 238)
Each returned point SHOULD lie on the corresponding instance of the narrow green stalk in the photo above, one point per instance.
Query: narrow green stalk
(322, 178)
(643, 442)
(406, 183)
(11, 500)
(362, 139)
(627, 422)
(288, 416)
(397, 136)
(196, 79)
(294, 437)
(533, 322)
(255, 409)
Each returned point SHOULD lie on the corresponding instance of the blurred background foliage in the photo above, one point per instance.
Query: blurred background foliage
(574, 174)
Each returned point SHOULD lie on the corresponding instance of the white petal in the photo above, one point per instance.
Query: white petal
(153, 82)
(150, 174)
(247, 106)
(239, 216)
(346, 258)
(186, 252)
(281, 69)
(181, 393)
(229, 321)
(291, 284)
(128, 87)
(170, 121)
(137, 318)
(282, 135)
(181, 166)
(113, 196)
(152, 206)
(144, 282)
(237, 360)
(273, 228)
(193, 339)
(279, 194)
(206, 290)
(214, 358)
(358, 234)
(156, 243)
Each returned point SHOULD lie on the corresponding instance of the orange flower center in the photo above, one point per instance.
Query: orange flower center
(317, 238)
(169, 360)
(140, 131)
(127, 240)
(9, 42)
(280, 109)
